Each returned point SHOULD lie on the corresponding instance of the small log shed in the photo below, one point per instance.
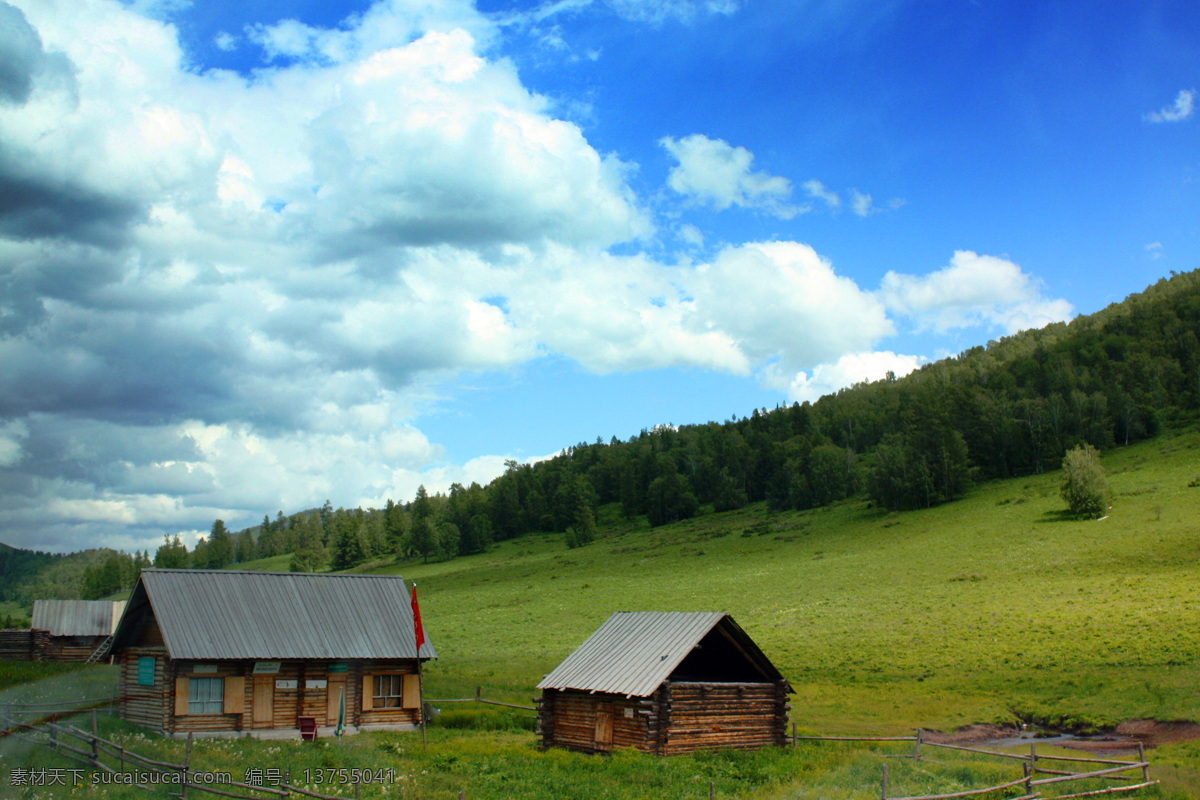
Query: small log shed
(664, 683)
(71, 630)
(236, 653)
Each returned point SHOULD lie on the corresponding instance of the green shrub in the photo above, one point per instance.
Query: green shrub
(1084, 486)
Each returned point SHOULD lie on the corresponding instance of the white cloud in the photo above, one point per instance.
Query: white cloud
(225, 41)
(1183, 108)
(861, 203)
(1155, 249)
(973, 290)
(846, 371)
(714, 172)
(818, 190)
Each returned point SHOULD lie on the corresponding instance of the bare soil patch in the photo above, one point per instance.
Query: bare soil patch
(1149, 732)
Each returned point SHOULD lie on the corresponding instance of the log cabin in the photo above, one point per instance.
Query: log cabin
(229, 653)
(664, 683)
(71, 630)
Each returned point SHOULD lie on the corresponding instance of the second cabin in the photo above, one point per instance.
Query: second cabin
(664, 683)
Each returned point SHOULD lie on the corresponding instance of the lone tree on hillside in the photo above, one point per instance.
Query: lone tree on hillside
(1084, 486)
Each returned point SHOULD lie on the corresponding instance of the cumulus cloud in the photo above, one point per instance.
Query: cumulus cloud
(846, 371)
(1183, 108)
(718, 174)
(973, 290)
(211, 311)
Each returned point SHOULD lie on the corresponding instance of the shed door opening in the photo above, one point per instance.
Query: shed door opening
(604, 726)
(264, 699)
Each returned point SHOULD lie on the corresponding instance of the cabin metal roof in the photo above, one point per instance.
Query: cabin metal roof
(76, 617)
(635, 651)
(226, 614)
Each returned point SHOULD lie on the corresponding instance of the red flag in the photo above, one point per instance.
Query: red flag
(417, 620)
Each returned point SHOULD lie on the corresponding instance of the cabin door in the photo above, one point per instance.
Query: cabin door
(264, 699)
(333, 699)
(604, 727)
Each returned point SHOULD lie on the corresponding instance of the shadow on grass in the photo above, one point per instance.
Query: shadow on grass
(1061, 515)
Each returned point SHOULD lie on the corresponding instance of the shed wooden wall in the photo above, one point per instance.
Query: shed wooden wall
(706, 716)
(571, 719)
(17, 644)
(66, 648)
(677, 718)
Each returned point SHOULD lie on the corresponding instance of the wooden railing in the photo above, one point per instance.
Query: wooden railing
(1029, 762)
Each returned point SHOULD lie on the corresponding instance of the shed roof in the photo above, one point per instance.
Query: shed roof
(635, 651)
(76, 617)
(220, 614)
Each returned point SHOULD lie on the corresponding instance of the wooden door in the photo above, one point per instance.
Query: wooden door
(264, 700)
(333, 699)
(604, 727)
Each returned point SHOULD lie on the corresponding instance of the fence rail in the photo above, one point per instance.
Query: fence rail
(1030, 763)
(478, 698)
(54, 731)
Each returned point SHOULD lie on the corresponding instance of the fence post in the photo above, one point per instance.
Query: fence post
(793, 734)
(712, 790)
(53, 729)
(917, 748)
(883, 791)
(478, 693)
(95, 736)
(1142, 758)
(187, 766)
(1028, 778)
(1032, 758)
(462, 795)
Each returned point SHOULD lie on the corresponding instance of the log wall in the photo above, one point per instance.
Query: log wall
(66, 648)
(571, 719)
(156, 706)
(144, 705)
(17, 644)
(705, 716)
(677, 718)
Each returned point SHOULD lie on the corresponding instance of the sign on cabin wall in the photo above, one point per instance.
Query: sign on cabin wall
(282, 684)
(204, 669)
(266, 667)
(315, 683)
(146, 671)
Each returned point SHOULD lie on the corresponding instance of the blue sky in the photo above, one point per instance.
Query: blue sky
(258, 255)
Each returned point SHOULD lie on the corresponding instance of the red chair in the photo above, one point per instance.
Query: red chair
(308, 728)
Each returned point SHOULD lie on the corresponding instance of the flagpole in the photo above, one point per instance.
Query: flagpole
(421, 692)
(419, 639)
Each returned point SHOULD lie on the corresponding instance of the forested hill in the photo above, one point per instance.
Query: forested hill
(1010, 408)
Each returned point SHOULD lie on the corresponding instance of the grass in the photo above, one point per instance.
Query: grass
(990, 609)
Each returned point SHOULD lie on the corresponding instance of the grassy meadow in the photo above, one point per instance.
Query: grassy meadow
(995, 608)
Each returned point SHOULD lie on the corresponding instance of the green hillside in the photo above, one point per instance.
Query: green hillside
(990, 608)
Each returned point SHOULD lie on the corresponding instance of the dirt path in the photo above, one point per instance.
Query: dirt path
(1149, 732)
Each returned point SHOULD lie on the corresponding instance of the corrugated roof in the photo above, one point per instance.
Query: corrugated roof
(215, 614)
(76, 617)
(635, 651)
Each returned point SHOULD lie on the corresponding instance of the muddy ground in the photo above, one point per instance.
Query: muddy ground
(1127, 735)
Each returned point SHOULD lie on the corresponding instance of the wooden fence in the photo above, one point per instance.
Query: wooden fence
(63, 739)
(1113, 771)
(478, 698)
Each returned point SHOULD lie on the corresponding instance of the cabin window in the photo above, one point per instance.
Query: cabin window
(146, 671)
(206, 695)
(389, 691)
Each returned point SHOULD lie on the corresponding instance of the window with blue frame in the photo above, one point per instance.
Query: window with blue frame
(206, 695)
